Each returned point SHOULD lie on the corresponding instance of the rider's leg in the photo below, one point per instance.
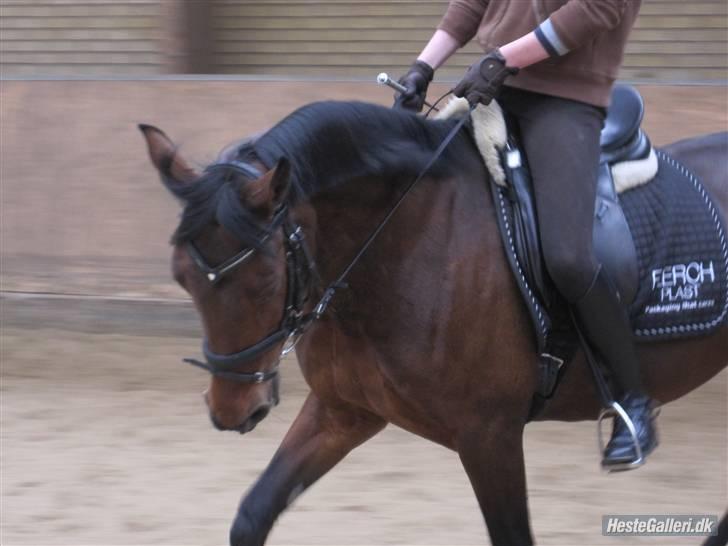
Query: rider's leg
(606, 325)
(561, 139)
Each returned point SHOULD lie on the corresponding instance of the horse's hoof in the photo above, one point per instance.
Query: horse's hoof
(244, 533)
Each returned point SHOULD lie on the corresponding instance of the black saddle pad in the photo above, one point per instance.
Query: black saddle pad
(682, 255)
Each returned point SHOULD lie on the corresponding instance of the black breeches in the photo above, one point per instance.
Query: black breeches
(561, 141)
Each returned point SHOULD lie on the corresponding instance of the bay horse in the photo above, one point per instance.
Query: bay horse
(430, 332)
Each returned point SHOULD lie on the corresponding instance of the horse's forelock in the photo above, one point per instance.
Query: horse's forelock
(214, 199)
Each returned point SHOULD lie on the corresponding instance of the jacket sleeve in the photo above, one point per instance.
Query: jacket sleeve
(462, 19)
(577, 22)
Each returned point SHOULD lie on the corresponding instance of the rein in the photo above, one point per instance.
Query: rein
(339, 282)
(299, 264)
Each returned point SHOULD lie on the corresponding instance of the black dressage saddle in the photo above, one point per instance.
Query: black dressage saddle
(621, 140)
(661, 241)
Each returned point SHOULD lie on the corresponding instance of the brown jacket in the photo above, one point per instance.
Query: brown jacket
(586, 40)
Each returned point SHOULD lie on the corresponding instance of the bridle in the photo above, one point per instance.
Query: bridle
(300, 272)
(301, 275)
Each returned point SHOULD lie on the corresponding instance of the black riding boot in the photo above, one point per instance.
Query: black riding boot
(606, 325)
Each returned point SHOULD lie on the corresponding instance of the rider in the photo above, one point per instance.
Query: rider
(559, 59)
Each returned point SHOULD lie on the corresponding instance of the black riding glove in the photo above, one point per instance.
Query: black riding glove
(416, 81)
(484, 79)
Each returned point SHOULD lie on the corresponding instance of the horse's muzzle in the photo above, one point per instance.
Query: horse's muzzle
(246, 426)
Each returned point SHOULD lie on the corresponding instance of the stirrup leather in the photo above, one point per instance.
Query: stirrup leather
(616, 410)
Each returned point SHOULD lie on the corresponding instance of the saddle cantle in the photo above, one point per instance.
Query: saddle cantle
(621, 135)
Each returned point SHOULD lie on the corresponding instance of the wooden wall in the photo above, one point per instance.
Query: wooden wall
(679, 40)
(89, 37)
(674, 40)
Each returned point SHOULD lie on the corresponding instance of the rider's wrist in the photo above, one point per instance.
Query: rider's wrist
(494, 63)
(497, 55)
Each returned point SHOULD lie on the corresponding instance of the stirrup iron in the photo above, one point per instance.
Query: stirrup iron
(616, 410)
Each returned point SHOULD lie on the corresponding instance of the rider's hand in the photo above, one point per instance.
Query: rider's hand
(416, 81)
(484, 79)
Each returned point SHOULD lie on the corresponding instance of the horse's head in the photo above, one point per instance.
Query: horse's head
(230, 255)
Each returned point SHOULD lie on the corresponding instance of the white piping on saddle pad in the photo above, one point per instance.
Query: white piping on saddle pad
(489, 129)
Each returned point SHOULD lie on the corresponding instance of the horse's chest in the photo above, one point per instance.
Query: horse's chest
(348, 371)
(342, 368)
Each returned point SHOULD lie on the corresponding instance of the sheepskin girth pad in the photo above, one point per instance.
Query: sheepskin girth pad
(489, 130)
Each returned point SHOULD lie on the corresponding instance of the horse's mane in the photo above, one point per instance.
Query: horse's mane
(327, 143)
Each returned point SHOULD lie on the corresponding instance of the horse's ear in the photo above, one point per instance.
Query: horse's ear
(280, 180)
(164, 156)
(270, 190)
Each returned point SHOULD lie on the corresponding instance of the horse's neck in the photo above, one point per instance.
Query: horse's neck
(431, 295)
(445, 229)
(344, 217)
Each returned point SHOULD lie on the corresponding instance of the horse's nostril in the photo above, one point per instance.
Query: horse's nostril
(217, 424)
(259, 414)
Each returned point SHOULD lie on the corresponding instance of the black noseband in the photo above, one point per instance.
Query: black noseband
(224, 365)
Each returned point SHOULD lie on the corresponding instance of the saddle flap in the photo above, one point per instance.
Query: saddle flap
(613, 243)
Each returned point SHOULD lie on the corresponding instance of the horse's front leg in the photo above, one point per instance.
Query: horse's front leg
(492, 454)
(318, 439)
